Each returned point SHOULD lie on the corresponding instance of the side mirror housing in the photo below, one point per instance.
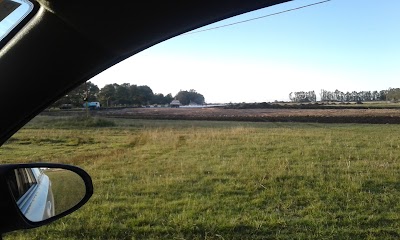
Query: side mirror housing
(33, 195)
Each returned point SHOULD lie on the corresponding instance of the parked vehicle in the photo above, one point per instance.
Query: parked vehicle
(92, 105)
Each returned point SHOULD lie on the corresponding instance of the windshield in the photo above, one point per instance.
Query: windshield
(277, 124)
(337, 45)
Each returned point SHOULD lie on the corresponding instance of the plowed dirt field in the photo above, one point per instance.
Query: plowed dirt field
(273, 115)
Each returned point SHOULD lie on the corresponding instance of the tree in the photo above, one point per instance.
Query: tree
(186, 97)
(362, 96)
(168, 98)
(126, 94)
(159, 98)
(144, 95)
(382, 95)
(123, 95)
(108, 94)
(393, 94)
(86, 91)
(309, 96)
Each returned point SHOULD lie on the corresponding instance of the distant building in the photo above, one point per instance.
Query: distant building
(175, 104)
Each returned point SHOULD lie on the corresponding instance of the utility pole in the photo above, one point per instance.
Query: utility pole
(86, 100)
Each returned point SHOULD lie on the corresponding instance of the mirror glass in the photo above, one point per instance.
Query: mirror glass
(11, 14)
(42, 193)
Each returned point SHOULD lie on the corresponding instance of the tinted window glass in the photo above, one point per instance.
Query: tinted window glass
(24, 179)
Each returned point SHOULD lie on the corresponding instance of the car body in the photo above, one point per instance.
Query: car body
(32, 190)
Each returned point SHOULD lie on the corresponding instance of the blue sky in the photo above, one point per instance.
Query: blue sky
(342, 44)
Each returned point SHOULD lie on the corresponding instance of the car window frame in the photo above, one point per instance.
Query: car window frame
(11, 34)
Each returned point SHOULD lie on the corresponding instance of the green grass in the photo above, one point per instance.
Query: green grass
(68, 189)
(223, 180)
(70, 122)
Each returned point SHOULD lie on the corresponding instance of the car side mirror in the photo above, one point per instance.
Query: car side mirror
(33, 195)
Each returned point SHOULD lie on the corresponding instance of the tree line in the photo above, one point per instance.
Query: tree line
(392, 94)
(125, 94)
(303, 96)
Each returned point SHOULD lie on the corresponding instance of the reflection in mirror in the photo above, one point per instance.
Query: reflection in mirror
(42, 193)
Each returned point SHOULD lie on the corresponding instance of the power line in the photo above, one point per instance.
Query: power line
(252, 19)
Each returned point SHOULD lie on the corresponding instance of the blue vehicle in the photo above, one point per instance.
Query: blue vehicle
(92, 105)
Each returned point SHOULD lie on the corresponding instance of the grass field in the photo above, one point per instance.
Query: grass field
(221, 180)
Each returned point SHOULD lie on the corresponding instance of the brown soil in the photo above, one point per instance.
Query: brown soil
(273, 115)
